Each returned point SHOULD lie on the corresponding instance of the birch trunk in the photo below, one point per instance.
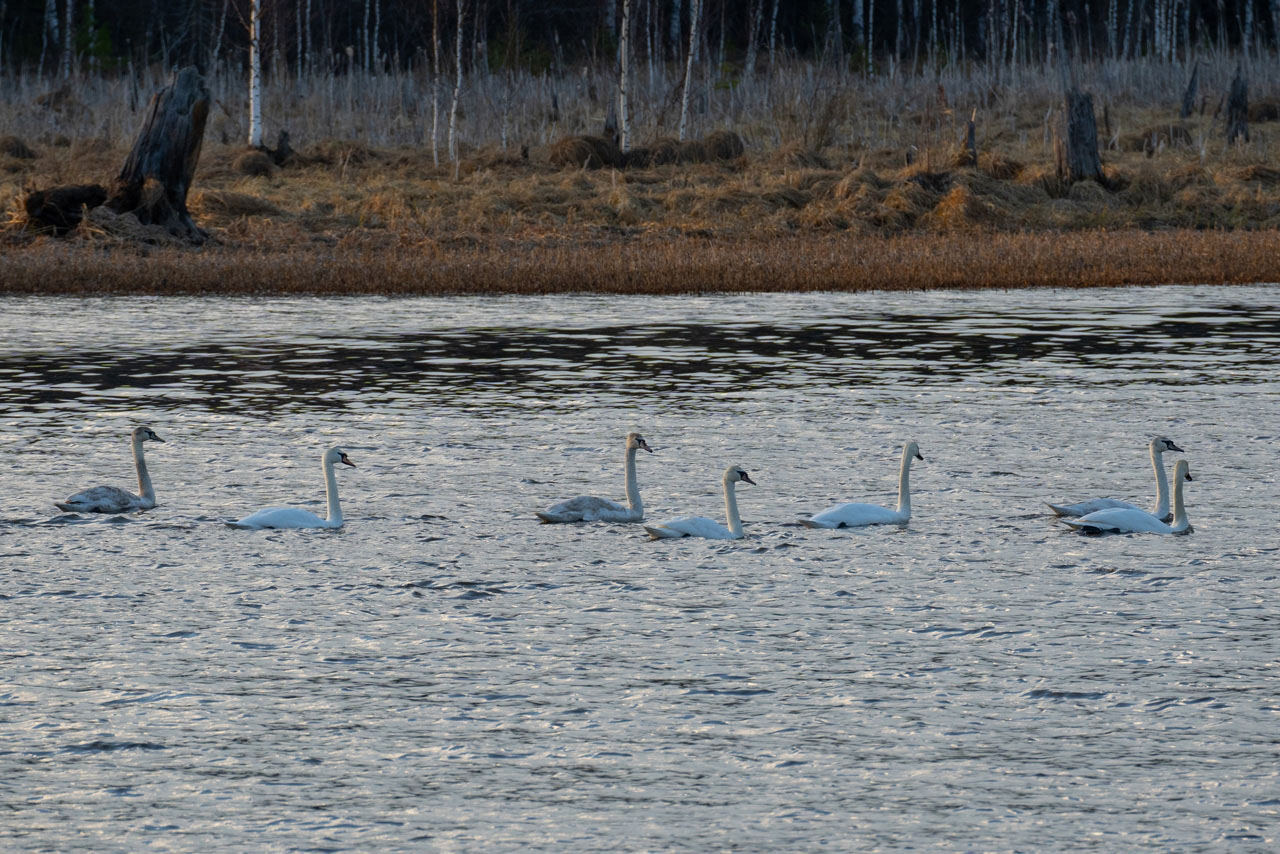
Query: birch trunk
(457, 88)
(674, 32)
(435, 82)
(624, 78)
(695, 19)
(69, 40)
(753, 41)
(255, 73)
(307, 43)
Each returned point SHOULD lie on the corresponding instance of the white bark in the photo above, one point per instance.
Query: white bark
(753, 41)
(457, 86)
(69, 43)
(624, 78)
(695, 19)
(435, 82)
(255, 73)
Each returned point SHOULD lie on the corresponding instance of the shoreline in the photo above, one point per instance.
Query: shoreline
(649, 264)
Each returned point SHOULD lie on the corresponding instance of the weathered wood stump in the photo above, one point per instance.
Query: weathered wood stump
(1238, 108)
(157, 174)
(1076, 151)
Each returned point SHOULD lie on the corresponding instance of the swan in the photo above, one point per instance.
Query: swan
(701, 526)
(1135, 521)
(588, 508)
(1160, 511)
(856, 515)
(293, 517)
(111, 499)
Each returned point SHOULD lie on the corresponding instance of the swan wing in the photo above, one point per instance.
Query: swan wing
(1119, 521)
(281, 517)
(854, 516)
(691, 526)
(588, 508)
(1092, 505)
(103, 499)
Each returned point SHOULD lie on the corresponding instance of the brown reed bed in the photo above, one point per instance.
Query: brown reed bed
(656, 264)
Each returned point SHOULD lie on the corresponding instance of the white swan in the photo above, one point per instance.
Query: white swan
(701, 526)
(856, 515)
(1139, 521)
(1160, 511)
(111, 499)
(588, 508)
(293, 517)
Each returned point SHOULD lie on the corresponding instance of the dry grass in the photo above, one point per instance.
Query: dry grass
(662, 264)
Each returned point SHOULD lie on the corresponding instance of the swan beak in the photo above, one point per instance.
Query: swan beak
(156, 438)
(347, 462)
(1174, 447)
(748, 479)
(919, 456)
(1189, 477)
(645, 445)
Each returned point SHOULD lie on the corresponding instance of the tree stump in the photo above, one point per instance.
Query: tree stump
(1077, 153)
(157, 174)
(1238, 108)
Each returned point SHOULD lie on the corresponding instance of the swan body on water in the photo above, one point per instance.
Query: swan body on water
(859, 515)
(112, 499)
(1135, 521)
(588, 508)
(294, 517)
(1159, 512)
(701, 526)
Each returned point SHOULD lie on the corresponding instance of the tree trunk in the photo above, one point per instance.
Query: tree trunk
(69, 34)
(1238, 108)
(1189, 96)
(695, 19)
(457, 89)
(624, 77)
(435, 82)
(255, 74)
(1077, 154)
(156, 176)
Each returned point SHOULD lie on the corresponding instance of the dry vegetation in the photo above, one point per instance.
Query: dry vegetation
(861, 191)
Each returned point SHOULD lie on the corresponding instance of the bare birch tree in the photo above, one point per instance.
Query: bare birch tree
(255, 73)
(695, 19)
(69, 45)
(457, 88)
(435, 82)
(624, 77)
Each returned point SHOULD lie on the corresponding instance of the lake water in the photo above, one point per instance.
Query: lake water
(446, 674)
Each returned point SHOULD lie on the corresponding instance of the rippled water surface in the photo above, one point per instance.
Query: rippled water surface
(446, 674)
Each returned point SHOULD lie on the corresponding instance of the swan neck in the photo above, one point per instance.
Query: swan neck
(145, 489)
(633, 488)
(731, 508)
(1180, 521)
(1162, 484)
(331, 493)
(904, 484)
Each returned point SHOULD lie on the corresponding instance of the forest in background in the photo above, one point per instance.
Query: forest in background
(66, 36)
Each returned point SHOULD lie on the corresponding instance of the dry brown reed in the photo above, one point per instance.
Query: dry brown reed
(662, 264)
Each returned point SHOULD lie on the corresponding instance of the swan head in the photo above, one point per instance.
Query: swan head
(337, 455)
(635, 440)
(734, 474)
(146, 434)
(1160, 445)
(1182, 471)
(912, 450)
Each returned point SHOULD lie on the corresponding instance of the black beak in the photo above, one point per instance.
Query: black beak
(645, 445)
(1172, 447)
(1189, 477)
(156, 438)
(748, 479)
(919, 456)
(347, 462)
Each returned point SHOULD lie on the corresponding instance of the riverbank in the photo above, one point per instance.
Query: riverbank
(612, 263)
